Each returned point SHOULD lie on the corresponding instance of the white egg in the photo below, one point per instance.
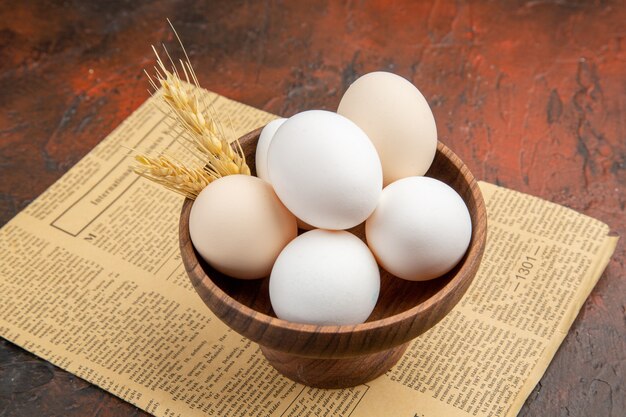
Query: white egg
(396, 117)
(420, 229)
(263, 145)
(325, 277)
(325, 170)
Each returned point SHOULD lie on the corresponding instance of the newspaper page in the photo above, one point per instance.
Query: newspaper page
(91, 280)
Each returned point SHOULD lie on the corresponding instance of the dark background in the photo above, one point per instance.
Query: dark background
(531, 95)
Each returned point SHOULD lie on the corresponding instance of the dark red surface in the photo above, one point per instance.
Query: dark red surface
(531, 95)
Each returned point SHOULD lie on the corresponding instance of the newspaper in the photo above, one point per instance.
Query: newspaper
(92, 281)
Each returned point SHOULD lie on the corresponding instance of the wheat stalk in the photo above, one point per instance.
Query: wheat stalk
(202, 134)
(174, 175)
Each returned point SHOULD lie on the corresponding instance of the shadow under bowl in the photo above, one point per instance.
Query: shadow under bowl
(347, 355)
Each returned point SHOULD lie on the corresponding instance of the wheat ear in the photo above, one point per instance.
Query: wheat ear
(174, 175)
(183, 97)
(182, 100)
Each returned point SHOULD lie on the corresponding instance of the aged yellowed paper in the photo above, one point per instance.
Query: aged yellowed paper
(91, 280)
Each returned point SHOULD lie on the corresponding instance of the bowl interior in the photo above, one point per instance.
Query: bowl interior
(396, 295)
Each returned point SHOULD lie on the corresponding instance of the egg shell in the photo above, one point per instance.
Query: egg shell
(396, 117)
(239, 226)
(325, 170)
(263, 145)
(420, 229)
(325, 277)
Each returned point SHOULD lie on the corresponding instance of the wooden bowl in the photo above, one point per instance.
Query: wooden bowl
(342, 356)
